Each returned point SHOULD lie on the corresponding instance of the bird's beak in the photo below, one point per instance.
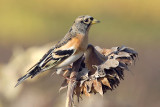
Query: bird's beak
(95, 21)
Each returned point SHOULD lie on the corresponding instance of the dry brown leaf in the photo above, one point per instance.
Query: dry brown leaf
(106, 52)
(123, 66)
(128, 50)
(83, 74)
(105, 82)
(103, 51)
(111, 63)
(85, 91)
(122, 54)
(88, 85)
(93, 57)
(127, 61)
(98, 87)
(78, 90)
(119, 71)
(108, 64)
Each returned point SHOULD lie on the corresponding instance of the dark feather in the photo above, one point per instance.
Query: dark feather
(45, 63)
(64, 52)
(32, 73)
(36, 68)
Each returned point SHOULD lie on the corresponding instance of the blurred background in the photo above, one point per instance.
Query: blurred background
(29, 28)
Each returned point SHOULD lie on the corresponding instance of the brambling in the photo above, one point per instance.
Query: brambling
(66, 51)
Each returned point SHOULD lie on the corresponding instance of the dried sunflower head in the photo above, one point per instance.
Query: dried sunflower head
(102, 69)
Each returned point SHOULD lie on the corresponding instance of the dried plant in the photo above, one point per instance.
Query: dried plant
(97, 71)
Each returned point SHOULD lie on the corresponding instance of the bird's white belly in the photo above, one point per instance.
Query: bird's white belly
(69, 60)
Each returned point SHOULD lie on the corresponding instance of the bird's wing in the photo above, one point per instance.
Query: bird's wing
(61, 51)
(52, 58)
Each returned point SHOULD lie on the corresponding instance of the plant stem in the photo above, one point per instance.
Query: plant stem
(72, 82)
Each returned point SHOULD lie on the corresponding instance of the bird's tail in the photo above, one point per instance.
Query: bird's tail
(32, 72)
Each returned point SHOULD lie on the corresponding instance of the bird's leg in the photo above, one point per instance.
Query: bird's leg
(66, 77)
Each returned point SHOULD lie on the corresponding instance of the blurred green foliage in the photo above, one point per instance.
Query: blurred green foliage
(35, 22)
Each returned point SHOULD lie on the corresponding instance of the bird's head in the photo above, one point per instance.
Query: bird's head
(83, 23)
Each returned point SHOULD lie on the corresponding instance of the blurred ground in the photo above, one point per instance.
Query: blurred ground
(27, 26)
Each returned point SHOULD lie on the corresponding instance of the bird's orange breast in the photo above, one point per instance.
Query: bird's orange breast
(79, 43)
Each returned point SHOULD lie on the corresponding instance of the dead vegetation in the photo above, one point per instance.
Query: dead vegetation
(97, 71)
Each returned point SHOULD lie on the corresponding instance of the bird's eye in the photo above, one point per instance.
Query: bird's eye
(86, 21)
(91, 18)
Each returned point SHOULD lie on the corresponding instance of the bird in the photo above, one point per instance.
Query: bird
(67, 50)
